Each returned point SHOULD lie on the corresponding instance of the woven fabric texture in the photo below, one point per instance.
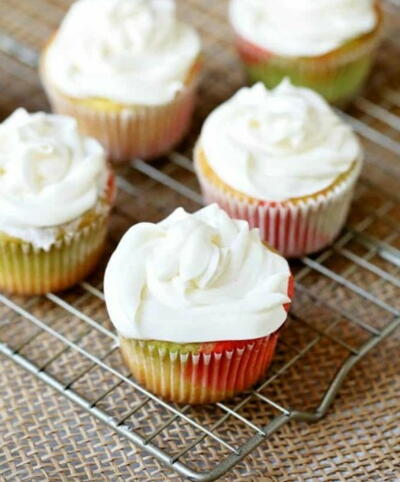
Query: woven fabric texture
(44, 436)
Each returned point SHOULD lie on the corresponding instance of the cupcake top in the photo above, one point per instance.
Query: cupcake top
(278, 144)
(127, 51)
(49, 173)
(196, 278)
(302, 28)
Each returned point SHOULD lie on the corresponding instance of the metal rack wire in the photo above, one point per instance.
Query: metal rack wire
(347, 299)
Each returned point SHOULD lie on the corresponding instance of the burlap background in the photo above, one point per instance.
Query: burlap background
(43, 436)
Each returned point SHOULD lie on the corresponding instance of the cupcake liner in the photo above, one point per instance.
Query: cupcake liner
(294, 228)
(198, 377)
(28, 270)
(133, 131)
(338, 75)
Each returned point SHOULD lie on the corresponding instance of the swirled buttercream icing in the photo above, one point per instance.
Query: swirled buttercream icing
(195, 278)
(278, 144)
(302, 28)
(127, 51)
(49, 174)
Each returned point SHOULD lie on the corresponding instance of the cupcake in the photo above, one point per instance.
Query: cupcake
(127, 70)
(326, 45)
(198, 301)
(282, 160)
(55, 196)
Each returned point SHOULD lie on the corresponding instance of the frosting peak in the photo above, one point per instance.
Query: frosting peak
(128, 51)
(49, 173)
(279, 124)
(138, 19)
(195, 278)
(278, 144)
(302, 28)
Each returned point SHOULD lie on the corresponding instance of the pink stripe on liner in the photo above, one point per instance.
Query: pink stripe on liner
(198, 377)
(294, 229)
(135, 131)
(321, 73)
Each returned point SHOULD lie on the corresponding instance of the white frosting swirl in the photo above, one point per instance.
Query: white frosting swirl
(195, 278)
(49, 173)
(128, 51)
(302, 28)
(278, 144)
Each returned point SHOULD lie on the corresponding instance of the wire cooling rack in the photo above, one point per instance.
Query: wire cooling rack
(347, 298)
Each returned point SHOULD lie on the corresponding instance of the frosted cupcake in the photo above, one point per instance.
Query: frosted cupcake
(198, 301)
(283, 161)
(326, 45)
(127, 70)
(55, 196)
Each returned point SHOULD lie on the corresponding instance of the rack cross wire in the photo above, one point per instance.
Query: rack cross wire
(347, 297)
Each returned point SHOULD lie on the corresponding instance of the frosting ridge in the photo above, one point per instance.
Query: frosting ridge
(127, 51)
(278, 144)
(302, 28)
(49, 173)
(195, 278)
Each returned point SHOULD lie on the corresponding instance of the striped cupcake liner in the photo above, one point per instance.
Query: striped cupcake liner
(338, 76)
(28, 270)
(294, 229)
(195, 378)
(135, 131)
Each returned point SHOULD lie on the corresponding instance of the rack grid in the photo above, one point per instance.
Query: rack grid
(347, 298)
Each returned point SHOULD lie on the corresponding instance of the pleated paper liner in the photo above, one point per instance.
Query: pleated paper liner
(338, 75)
(184, 376)
(294, 228)
(28, 270)
(131, 131)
